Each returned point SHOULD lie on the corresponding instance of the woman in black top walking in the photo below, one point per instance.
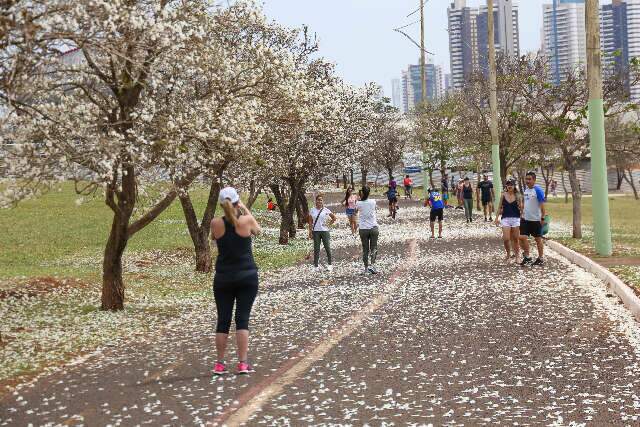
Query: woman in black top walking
(236, 276)
(467, 195)
(509, 209)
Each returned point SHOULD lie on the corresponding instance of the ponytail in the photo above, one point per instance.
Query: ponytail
(230, 212)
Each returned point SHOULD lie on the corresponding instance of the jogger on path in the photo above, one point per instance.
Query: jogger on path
(486, 196)
(509, 209)
(437, 212)
(236, 276)
(532, 219)
(319, 230)
(368, 230)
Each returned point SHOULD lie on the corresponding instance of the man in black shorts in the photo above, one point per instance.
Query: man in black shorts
(437, 212)
(485, 188)
(532, 220)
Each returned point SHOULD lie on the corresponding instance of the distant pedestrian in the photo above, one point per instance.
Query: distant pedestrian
(271, 206)
(486, 196)
(408, 187)
(554, 188)
(369, 232)
(319, 231)
(236, 277)
(532, 219)
(349, 203)
(437, 212)
(444, 182)
(508, 215)
(467, 196)
(392, 197)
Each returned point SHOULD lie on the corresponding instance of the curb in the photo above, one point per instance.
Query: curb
(624, 292)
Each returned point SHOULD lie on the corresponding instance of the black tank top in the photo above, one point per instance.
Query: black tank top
(510, 210)
(235, 258)
(467, 192)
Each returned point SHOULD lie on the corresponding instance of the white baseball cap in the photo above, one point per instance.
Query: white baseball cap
(229, 193)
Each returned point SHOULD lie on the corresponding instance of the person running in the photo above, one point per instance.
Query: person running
(486, 195)
(392, 196)
(236, 277)
(271, 206)
(437, 212)
(467, 196)
(349, 203)
(408, 185)
(532, 219)
(319, 231)
(369, 232)
(508, 215)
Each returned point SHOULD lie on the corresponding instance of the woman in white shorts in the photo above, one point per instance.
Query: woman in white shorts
(508, 216)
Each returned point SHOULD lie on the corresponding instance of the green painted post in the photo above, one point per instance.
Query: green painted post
(599, 181)
(497, 180)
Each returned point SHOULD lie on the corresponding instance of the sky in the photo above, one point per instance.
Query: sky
(358, 34)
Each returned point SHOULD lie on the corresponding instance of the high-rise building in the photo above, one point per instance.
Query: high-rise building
(507, 39)
(468, 32)
(447, 83)
(620, 39)
(412, 84)
(463, 44)
(396, 94)
(564, 41)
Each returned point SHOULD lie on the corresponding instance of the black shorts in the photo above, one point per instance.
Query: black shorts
(530, 228)
(436, 213)
(393, 199)
(486, 202)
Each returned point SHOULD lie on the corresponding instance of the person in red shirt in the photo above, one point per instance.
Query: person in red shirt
(270, 205)
(408, 184)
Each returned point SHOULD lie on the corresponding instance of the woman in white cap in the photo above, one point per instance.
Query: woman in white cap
(236, 276)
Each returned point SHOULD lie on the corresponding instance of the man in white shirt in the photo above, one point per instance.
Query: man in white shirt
(532, 220)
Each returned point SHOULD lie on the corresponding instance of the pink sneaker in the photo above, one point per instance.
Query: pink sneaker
(219, 369)
(243, 368)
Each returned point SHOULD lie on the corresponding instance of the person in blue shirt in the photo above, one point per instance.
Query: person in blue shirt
(392, 196)
(436, 201)
(532, 219)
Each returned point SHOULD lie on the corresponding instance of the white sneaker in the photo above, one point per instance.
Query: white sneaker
(317, 268)
(373, 270)
(365, 272)
(329, 268)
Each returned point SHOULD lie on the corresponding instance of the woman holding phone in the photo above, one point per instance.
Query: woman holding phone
(236, 277)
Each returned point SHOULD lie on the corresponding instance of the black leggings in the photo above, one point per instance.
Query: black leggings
(243, 294)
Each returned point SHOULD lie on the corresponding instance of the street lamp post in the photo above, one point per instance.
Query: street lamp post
(493, 104)
(423, 94)
(600, 185)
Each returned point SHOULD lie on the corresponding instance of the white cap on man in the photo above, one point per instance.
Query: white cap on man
(229, 193)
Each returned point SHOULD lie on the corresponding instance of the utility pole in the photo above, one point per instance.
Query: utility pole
(493, 105)
(423, 97)
(600, 185)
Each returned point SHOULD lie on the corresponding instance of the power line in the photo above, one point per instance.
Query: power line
(417, 10)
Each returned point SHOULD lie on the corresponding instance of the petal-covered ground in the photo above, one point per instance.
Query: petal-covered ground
(448, 333)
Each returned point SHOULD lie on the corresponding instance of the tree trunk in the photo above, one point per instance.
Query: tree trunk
(353, 184)
(304, 206)
(302, 219)
(564, 187)
(620, 176)
(254, 192)
(112, 282)
(547, 175)
(200, 232)
(344, 181)
(631, 183)
(430, 179)
(363, 176)
(337, 181)
(390, 172)
(576, 194)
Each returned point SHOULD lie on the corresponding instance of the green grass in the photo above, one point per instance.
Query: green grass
(625, 231)
(47, 235)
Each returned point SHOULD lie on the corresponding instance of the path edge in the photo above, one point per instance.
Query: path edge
(613, 282)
